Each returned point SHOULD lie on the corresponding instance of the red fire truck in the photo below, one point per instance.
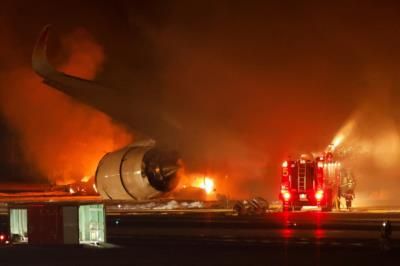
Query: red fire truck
(310, 181)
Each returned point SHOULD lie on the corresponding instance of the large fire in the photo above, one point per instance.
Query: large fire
(205, 183)
(61, 138)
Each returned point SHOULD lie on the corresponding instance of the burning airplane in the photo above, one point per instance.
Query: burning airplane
(139, 171)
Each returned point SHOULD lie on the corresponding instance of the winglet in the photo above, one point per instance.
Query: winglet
(39, 56)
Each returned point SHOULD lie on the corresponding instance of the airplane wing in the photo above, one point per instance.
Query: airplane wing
(151, 122)
(78, 88)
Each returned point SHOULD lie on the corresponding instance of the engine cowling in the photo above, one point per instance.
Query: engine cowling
(140, 171)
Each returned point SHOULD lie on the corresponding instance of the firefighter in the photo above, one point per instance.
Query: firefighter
(346, 188)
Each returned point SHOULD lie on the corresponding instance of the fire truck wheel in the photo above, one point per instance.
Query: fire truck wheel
(327, 207)
(238, 208)
(287, 208)
(329, 202)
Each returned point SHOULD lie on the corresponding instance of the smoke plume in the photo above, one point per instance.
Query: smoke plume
(368, 144)
(248, 83)
(254, 83)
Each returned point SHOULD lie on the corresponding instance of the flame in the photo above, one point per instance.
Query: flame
(49, 123)
(205, 183)
(85, 179)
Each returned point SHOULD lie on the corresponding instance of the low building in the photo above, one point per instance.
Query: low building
(57, 223)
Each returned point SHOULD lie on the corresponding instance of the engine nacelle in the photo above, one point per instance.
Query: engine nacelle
(140, 171)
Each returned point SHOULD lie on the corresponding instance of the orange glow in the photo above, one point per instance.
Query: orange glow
(319, 195)
(337, 140)
(286, 195)
(205, 183)
(285, 164)
(85, 179)
(62, 139)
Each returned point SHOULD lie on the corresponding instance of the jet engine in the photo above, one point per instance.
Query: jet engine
(140, 171)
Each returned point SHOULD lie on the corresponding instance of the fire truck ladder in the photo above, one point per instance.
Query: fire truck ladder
(302, 177)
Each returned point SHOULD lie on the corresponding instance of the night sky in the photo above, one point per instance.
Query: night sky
(246, 82)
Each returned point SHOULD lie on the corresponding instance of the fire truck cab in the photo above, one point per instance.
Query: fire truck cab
(310, 182)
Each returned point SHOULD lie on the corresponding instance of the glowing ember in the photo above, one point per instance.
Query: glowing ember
(205, 183)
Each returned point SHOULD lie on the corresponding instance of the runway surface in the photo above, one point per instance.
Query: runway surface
(275, 238)
(304, 227)
(300, 238)
(137, 236)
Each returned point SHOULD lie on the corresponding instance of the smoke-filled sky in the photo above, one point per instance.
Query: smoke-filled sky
(248, 82)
